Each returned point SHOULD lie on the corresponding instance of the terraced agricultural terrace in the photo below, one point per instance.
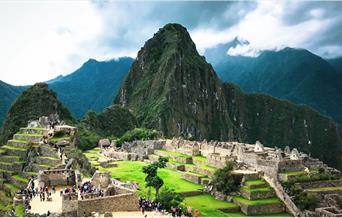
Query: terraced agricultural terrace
(20, 161)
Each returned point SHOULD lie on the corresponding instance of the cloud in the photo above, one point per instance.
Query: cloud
(41, 40)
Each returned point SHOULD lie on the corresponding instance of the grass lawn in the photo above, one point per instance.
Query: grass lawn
(337, 188)
(208, 205)
(257, 202)
(132, 171)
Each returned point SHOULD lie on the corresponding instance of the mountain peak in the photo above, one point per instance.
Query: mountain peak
(172, 37)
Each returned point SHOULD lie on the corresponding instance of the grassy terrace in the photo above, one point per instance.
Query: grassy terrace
(57, 139)
(11, 163)
(32, 128)
(16, 140)
(42, 165)
(208, 205)
(197, 174)
(31, 173)
(257, 202)
(13, 188)
(14, 148)
(293, 173)
(5, 171)
(20, 178)
(207, 167)
(174, 154)
(255, 182)
(27, 134)
(337, 188)
(2, 151)
(266, 189)
(93, 154)
(48, 158)
(12, 157)
(200, 158)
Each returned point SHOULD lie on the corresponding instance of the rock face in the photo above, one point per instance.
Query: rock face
(33, 103)
(172, 88)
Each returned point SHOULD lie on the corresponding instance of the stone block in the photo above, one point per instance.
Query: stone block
(192, 177)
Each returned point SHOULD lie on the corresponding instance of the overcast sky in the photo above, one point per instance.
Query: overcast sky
(40, 40)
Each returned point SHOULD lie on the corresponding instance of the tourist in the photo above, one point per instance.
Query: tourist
(196, 213)
(189, 212)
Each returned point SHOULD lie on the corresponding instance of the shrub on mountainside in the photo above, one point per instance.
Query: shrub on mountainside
(33, 103)
(113, 121)
(138, 134)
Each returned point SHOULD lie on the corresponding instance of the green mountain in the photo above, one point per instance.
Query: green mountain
(92, 87)
(172, 88)
(293, 74)
(33, 103)
(8, 93)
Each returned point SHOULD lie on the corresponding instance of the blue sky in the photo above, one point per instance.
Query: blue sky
(43, 39)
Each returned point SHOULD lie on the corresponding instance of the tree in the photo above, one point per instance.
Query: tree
(223, 180)
(152, 179)
(169, 198)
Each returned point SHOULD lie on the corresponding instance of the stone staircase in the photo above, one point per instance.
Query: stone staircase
(280, 192)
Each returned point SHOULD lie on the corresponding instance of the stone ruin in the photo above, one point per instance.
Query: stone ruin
(115, 198)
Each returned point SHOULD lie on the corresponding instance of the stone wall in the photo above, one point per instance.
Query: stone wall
(319, 184)
(192, 178)
(203, 171)
(261, 209)
(290, 165)
(121, 202)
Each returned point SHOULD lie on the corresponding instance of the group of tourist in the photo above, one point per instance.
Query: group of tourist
(180, 212)
(45, 194)
(150, 205)
(88, 188)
